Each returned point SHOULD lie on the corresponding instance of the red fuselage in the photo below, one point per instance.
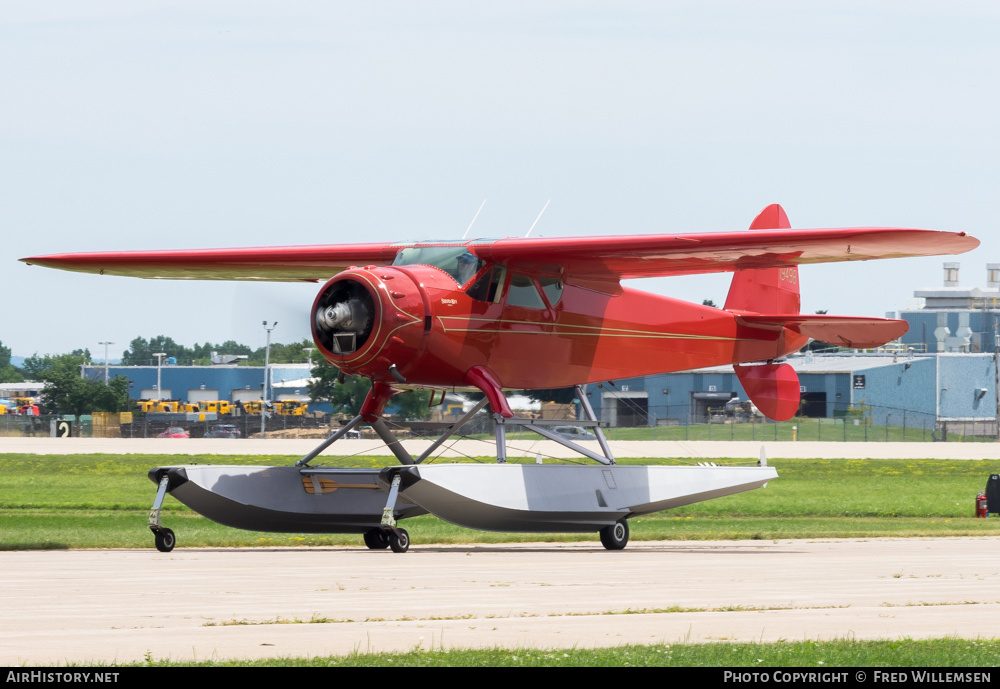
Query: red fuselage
(530, 332)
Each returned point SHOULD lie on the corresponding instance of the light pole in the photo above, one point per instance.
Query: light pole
(267, 365)
(106, 360)
(309, 354)
(159, 363)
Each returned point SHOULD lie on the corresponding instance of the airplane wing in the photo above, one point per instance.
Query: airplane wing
(594, 262)
(600, 262)
(273, 264)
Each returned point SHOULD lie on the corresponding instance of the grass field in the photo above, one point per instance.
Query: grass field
(101, 501)
(821, 655)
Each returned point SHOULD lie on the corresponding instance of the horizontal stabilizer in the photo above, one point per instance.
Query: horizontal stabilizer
(773, 388)
(844, 331)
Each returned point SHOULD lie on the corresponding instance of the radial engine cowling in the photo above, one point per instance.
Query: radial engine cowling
(366, 320)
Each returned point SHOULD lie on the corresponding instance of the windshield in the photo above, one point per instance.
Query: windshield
(457, 261)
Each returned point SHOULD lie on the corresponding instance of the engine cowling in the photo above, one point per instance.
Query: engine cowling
(367, 320)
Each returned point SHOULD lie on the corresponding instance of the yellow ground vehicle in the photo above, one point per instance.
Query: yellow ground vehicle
(253, 406)
(291, 407)
(218, 406)
(166, 406)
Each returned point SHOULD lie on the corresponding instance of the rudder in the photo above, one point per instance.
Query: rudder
(766, 290)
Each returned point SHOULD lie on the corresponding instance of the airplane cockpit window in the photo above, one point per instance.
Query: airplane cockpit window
(523, 292)
(487, 287)
(553, 288)
(457, 261)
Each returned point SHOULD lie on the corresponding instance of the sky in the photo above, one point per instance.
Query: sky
(151, 125)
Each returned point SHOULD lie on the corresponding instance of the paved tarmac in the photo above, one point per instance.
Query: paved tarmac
(122, 605)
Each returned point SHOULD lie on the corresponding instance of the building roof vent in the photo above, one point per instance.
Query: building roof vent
(951, 275)
(993, 275)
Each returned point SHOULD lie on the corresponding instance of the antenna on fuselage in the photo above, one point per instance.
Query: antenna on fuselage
(539, 217)
(474, 219)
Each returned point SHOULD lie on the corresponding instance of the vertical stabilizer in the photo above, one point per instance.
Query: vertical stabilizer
(766, 290)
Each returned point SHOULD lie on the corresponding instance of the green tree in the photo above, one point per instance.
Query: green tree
(8, 373)
(141, 351)
(293, 353)
(412, 405)
(66, 392)
(347, 397)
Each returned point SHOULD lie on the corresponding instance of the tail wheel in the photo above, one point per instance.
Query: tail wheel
(165, 540)
(376, 539)
(615, 537)
(399, 541)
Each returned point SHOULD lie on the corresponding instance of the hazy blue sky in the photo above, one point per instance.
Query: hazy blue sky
(128, 125)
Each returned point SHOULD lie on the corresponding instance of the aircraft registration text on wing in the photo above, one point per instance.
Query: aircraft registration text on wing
(542, 313)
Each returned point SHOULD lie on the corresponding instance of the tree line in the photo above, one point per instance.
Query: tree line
(141, 352)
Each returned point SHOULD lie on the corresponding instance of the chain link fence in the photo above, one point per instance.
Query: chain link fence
(867, 423)
(674, 422)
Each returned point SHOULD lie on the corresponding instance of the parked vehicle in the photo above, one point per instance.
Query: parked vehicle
(255, 406)
(224, 431)
(218, 406)
(291, 407)
(174, 432)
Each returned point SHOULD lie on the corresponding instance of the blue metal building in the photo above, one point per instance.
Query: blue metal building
(916, 391)
(196, 383)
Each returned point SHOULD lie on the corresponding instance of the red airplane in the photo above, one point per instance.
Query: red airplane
(520, 314)
(550, 313)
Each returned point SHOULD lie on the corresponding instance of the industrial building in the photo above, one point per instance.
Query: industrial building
(952, 318)
(197, 383)
(923, 391)
(941, 374)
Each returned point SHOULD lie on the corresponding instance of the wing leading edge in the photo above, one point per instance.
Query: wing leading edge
(285, 263)
(607, 260)
(597, 262)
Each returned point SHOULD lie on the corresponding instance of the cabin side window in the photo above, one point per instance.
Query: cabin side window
(487, 286)
(523, 292)
(553, 288)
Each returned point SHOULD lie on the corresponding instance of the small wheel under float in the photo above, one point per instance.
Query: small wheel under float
(399, 540)
(615, 537)
(164, 539)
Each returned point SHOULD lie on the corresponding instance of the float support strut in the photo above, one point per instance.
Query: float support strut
(154, 512)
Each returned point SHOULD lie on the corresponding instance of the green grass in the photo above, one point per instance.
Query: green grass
(101, 501)
(820, 656)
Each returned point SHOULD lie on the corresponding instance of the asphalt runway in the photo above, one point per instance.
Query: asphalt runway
(125, 605)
